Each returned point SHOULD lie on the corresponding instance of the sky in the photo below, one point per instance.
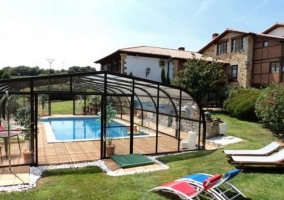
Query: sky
(80, 32)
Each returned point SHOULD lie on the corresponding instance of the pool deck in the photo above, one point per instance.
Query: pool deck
(58, 153)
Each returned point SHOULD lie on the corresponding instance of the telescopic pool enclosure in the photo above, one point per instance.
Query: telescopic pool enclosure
(159, 110)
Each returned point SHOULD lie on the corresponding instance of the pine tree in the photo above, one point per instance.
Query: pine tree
(163, 76)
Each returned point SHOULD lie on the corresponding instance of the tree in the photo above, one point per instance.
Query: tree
(168, 79)
(199, 77)
(5, 75)
(163, 76)
(43, 99)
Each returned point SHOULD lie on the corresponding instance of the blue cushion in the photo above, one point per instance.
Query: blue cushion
(199, 177)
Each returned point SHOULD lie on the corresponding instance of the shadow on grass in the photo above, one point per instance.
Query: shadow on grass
(184, 156)
(168, 195)
(263, 169)
(83, 170)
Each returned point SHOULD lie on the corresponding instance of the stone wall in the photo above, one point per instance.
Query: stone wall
(169, 121)
(241, 58)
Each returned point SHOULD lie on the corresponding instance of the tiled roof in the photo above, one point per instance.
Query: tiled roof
(273, 27)
(173, 53)
(237, 31)
(159, 52)
(259, 34)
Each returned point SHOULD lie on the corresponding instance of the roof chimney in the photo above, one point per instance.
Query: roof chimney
(214, 35)
(181, 48)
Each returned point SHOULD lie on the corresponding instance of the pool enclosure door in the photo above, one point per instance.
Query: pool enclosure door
(116, 125)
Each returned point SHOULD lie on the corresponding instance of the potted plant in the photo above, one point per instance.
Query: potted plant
(108, 137)
(22, 118)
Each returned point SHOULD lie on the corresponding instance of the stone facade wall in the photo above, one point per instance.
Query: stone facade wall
(253, 62)
(241, 58)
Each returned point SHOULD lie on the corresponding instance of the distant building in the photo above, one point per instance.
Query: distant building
(255, 58)
(147, 62)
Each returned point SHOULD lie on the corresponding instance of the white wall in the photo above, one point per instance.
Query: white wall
(279, 31)
(138, 65)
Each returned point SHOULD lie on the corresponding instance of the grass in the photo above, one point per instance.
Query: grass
(91, 183)
(63, 107)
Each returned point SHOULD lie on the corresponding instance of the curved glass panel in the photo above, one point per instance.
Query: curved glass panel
(162, 114)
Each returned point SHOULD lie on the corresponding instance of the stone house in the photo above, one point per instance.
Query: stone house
(255, 59)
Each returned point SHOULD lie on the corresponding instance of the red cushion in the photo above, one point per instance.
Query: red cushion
(2, 128)
(182, 187)
(212, 181)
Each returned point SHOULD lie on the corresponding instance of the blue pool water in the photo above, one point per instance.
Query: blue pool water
(78, 128)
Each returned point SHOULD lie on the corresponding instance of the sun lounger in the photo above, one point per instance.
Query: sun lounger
(265, 151)
(186, 191)
(223, 189)
(276, 159)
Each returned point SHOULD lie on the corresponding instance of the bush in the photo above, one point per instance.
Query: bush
(270, 107)
(242, 104)
(232, 90)
(224, 93)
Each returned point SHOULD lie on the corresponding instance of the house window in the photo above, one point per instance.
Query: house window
(238, 44)
(211, 96)
(234, 72)
(162, 63)
(274, 68)
(265, 44)
(222, 48)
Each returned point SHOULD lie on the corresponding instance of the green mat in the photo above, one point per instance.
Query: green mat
(131, 160)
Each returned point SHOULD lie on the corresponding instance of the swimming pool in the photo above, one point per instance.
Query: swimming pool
(60, 129)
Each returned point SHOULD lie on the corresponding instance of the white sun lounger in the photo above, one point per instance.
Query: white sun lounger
(274, 159)
(265, 151)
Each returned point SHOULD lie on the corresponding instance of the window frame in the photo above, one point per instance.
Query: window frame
(274, 67)
(265, 43)
(238, 44)
(234, 72)
(222, 47)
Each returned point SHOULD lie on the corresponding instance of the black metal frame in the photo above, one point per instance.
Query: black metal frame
(105, 84)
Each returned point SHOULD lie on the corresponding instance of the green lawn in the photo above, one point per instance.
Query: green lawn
(63, 107)
(90, 183)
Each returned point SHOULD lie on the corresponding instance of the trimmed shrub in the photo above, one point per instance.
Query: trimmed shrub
(242, 104)
(163, 76)
(232, 90)
(270, 107)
